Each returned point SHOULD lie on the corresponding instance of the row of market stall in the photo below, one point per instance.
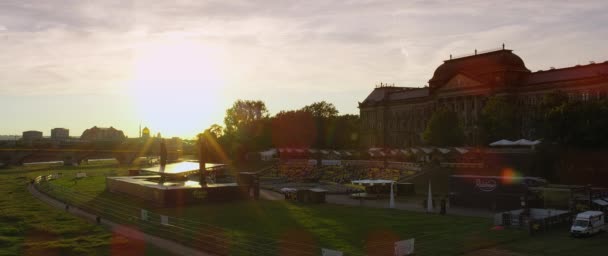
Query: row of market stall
(372, 152)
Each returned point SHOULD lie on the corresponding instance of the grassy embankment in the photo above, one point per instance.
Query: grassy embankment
(31, 227)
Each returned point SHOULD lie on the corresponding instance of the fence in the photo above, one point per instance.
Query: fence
(204, 236)
(535, 221)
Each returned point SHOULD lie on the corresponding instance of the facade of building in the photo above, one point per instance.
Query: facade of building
(60, 134)
(102, 134)
(397, 116)
(29, 136)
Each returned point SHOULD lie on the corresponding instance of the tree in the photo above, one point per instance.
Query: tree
(444, 129)
(215, 130)
(295, 128)
(247, 128)
(499, 119)
(321, 109)
(550, 103)
(579, 123)
(244, 112)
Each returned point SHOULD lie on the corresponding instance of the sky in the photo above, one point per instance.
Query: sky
(176, 66)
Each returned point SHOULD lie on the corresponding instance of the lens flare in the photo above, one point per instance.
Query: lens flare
(509, 175)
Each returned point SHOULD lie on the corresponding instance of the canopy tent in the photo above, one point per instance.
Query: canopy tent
(501, 143)
(369, 183)
(405, 152)
(268, 154)
(524, 142)
(462, 150)
(600, 202)
(444, 150)
(508, 143)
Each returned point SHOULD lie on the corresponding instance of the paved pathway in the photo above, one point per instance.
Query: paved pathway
(271, 195)
(130, 233)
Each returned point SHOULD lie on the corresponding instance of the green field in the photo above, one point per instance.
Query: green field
(361, 231)
(31, 227)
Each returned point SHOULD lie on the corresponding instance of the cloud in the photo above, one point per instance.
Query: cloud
(269, 49)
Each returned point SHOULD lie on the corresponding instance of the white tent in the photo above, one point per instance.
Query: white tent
(462, 150)
(502, 143)
(268, 154)
(524, 142)
(444, 150)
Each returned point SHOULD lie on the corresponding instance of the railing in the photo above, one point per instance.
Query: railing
(476, 52)
(204, 236)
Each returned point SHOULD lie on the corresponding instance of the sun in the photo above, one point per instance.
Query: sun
(177, 85)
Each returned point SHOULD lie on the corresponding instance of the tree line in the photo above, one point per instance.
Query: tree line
(557, 120)
(248, 127)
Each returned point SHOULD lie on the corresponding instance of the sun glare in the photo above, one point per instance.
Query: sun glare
(177, 85)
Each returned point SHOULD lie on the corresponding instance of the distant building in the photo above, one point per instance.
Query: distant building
(397, 116)
(145, 133)
(60, 134)
(29, 136)
(102, 134)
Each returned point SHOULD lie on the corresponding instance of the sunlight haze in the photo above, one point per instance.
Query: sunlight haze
(177, 67)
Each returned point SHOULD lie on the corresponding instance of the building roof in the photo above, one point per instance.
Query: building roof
(396, 93)
(569, 73)
(478, 66)
(409, 93)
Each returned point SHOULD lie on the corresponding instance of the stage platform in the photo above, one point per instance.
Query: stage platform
(176, 193)
(181, 169)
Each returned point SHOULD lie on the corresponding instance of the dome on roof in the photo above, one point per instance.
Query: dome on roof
(478, 65)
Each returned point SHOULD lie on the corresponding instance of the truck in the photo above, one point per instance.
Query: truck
(588, 223)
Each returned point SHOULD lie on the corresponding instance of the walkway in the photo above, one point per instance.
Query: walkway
(409, 206)
(167, 245)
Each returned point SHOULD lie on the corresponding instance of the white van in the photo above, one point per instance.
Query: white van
(588, 223)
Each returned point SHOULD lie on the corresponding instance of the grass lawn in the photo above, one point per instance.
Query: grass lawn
(31, 227)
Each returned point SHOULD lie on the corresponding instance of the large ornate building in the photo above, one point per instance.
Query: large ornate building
(102, 134)
(397, 116)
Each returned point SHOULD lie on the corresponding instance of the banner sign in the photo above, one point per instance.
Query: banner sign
(486, 185)
(404, 247)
